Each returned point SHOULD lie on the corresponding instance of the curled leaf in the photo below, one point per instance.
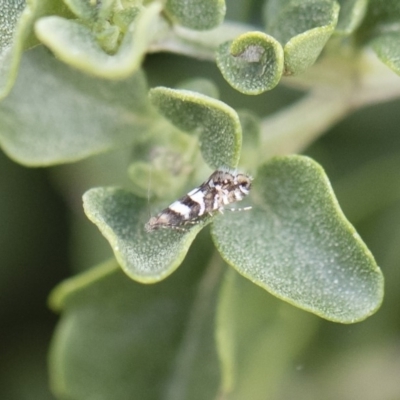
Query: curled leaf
(303, 27)
(75, 44)
(252, 63)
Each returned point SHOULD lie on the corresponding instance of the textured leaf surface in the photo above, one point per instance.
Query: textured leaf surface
(90, 10)
(217, 123)
(16, 33)
(121, 216)
(303, 27)
(75, 44)
(10, 46)
(387, 48)
(297, 244)
(115, 336)
(252, 63)
(258, 339)
(196, 14)
(381, 30)
(76, 116)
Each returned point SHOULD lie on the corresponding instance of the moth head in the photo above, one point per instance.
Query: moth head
(244, 182)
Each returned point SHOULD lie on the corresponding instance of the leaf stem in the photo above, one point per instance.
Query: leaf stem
(294, 128)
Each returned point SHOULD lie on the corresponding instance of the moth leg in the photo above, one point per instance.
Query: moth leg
(239, 209)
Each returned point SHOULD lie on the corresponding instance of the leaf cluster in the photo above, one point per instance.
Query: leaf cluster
(295, 243)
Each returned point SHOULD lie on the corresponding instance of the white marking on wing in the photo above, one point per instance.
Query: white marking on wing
(198, 197)
(244, 190)
(181, 209)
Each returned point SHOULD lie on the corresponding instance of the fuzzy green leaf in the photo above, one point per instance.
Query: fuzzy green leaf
(10, 46)
(217, 123)
(196, 14)
(297, 244)
(77, 115)
(75, 44)
(387, 48)
(252, 63)
(258, 339)
(303, 27)
(16, 33)
(351, 15)
(90, 10)
(116, 335)
(145, 256)
(381, 30)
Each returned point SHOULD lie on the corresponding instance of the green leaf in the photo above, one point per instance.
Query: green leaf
(16, 33)
(297, 244)
(10, 45)
(91, 10)
(351, 15)
(380, 29)
(196, 14)
(163, 163)
(303, 27)
(115, 335)
(146, 257)
(55, 114)
(197, 374)
(75, 44)
(387, 48)
(218, 124)
(259, 338)
(252, 63)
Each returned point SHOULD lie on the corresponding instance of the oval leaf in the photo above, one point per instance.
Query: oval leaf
(217, 123)
(77, 115)
(303, 27)
(75, 44)
(297, 244)
(252, 63)
(146, 257)
(196, 14)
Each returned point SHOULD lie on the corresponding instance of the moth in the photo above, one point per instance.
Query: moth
(223, 187)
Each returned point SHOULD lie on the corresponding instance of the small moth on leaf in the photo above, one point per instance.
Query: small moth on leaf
(223, 187)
